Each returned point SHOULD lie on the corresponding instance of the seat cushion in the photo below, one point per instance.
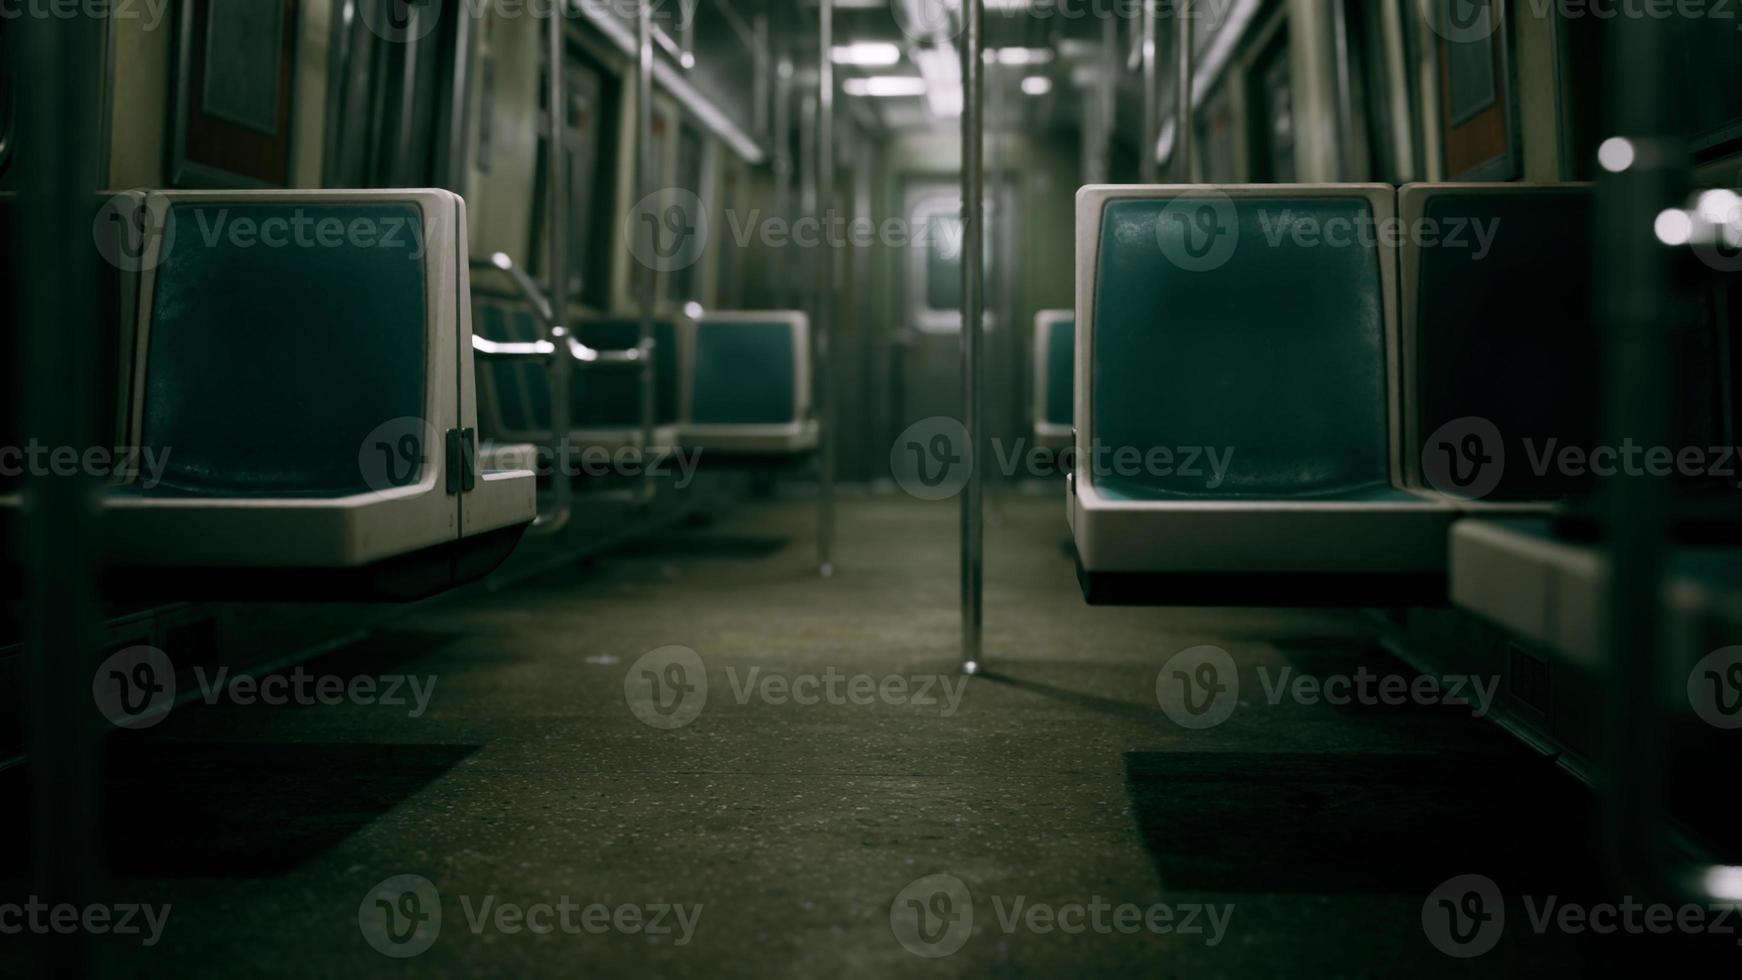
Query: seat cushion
(745, 374)
(268, 367)
(1061, 371)
(1278, 354)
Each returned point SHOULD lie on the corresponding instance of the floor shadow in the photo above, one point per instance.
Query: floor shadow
(1090, 702)
(1370, 823)
(185, 809)
(707, 547)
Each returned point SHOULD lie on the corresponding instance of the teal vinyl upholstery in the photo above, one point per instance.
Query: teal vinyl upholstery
(1241, 392)
(512, 383)
(1061, 366)
(1278, 355)
(745, 374)
(267, 367)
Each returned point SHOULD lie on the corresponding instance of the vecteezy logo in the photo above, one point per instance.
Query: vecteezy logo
(399, 21)
(135, 688)
(133, 233)
(1198, 688)
(1461, 21)
(923, 20)
(667, 230)
(667, 688)
(931, 460)
(1465, 458)
(1464, 917)
(1199, 230)
(401, 917)
(396, 453)
(933, 917)
(1715, 688)
(1722, 250)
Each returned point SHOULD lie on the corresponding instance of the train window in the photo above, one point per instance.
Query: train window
(1273, 127)
(935, 261)
(685, 282)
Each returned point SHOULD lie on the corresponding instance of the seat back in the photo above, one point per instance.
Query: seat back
(1055, 356)
(275, 338)
(1498, 326)
(1252, 319)
(516, 394)
(609, 397)
(750, 369)
(1502, 341)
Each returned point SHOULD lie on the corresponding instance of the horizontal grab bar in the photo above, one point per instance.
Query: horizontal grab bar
(494, 350)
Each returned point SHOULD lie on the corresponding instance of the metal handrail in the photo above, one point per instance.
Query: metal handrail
(544, 351)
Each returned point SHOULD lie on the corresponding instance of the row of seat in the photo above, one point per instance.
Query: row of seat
(733, 384)
(299, 401)
(297, 412)
(1371, 388)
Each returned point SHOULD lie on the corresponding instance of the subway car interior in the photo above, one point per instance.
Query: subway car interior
(692, 488)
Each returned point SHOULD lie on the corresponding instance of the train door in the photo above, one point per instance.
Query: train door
(397, 73)
(928, 376)
(582, 140)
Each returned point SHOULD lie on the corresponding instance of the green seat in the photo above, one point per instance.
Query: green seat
(1502, 328)
(749, 384)
(609, 397)
(1279, 354)
(513, 385)
(268, 367)
(745, 374)
(303, 379)
(1237, 345)
(1055, 388)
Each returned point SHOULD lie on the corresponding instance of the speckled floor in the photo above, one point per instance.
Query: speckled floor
(1062, 822)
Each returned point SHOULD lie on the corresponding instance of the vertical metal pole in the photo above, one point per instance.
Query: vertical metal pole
(973, 332)
(1184, 130)
(783, 168)
(1638, 299)
(1149, 167)
(761, 86)
(1109, 108)
(59, 317)
(556, 219)
(825, 347)
(647, 179)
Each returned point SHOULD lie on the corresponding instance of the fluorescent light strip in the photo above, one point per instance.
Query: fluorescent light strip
(886, 86)
(868, 54)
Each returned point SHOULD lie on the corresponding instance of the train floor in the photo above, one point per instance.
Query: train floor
(581, 810)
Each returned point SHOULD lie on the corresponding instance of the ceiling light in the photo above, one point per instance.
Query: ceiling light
(870, 54)
(886, 86)
(1036, 85)
(1023, 56)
